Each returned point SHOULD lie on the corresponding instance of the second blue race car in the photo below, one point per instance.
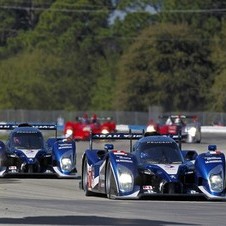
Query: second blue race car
(153, 166)
(26, 153)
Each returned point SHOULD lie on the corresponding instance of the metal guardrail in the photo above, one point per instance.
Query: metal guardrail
(213, 129)
(204, 129)
(120, 117)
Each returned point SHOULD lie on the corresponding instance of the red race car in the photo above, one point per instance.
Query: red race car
(189, 127)
(81, 128)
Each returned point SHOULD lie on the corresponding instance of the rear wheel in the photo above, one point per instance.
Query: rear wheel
(85, 178)
(111, 188)
(199, 138)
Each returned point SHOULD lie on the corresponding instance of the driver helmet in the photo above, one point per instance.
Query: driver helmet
(16, 140)
(94, 118)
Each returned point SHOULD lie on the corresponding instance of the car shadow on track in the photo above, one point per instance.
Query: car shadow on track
(82, 220)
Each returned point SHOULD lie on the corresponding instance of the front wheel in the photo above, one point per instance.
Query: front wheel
(85, 178)
(111, 188)
(30, 169)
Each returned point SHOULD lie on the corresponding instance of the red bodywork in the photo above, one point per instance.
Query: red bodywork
(167, 129)
(170, 124)
(80, 130)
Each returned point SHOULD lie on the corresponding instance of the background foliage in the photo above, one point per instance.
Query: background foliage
(113, 55)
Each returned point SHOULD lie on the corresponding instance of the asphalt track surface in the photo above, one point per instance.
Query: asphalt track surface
(38, 201)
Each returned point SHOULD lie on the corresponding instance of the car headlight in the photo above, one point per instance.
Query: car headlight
(105, 131)
(66, 164)
(150, 128)
(13, 156)
(216, 182)
(69, 132)
(125, 179)
(192, 131)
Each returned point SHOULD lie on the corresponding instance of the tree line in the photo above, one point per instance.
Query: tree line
(113, 55)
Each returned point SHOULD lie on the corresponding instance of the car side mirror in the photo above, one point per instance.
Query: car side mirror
(108, 147)
(212, 147)
(190, 155)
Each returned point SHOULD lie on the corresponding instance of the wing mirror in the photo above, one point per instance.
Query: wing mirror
(212, 147)
(108, 147)
(190, 155)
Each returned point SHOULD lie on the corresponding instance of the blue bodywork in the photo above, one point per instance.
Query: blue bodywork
(26, 153)
(63, 149)
(151, 166)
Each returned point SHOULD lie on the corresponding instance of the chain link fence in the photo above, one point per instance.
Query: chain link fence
(120, 117)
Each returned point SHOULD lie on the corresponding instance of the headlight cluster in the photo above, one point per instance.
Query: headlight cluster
(191, 131)
(66, 164)
(150, 128)
(216, 182)
(126, 180)
(105, 131)
(69, 132)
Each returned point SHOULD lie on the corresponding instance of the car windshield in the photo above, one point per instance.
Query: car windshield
(28, 140)
(160, 153)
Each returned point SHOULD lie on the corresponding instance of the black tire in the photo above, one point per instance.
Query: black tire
(30, 169)
(3, 162)
(198, 141)
(85, 178)
(110, 184)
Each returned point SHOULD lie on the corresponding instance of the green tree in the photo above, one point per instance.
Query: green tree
(103, 92)
(24, 85)
(217, 93)
(70, 40)
(205, 15)
(171, 68)
(19, 15)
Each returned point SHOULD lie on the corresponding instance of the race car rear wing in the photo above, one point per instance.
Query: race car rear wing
(178, 116)
(40, 126)
(115, 136)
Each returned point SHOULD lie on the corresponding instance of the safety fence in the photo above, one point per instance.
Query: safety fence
(120, 117)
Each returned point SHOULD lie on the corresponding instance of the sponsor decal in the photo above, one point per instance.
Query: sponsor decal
(30, 153)
(169, 166)
(124, 160)
(159, 142)
(118, 152)
(53, 127)
(12, 168)
(117, 136)
(213, 159)
(123, 157)
(107, 136)
(89, 177)
(26, 131)
(64, 146)
(170, 169)
(147, 187)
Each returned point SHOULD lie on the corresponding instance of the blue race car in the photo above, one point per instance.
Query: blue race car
(26, 153)
(152, 166)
